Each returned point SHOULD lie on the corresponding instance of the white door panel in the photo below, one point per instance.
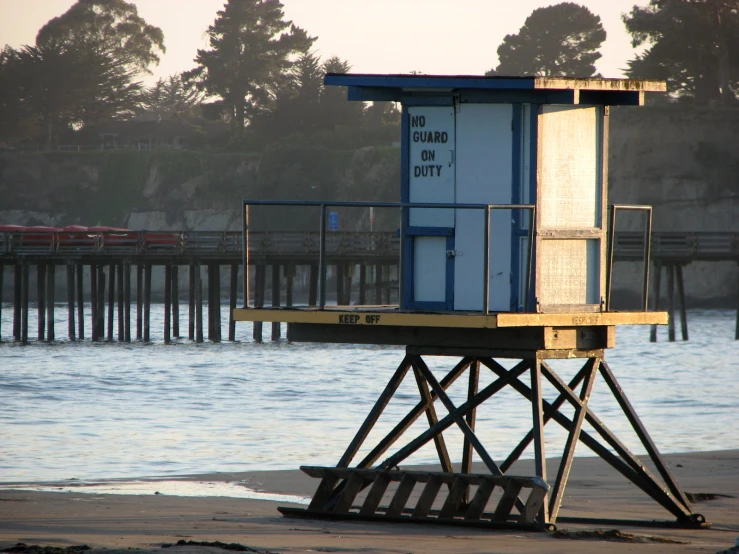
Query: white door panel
(484, 175)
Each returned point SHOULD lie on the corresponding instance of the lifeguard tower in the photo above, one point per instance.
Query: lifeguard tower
(505, 254)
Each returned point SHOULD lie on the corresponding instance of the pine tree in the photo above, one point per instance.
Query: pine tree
(559, 40)
(252, 49)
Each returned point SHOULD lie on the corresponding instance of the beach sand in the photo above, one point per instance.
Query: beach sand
(148, 522)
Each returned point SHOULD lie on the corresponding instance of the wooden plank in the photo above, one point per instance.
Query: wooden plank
(579, 319)
(375, 494)
(476, 507)
(351, 488)
(323, 492)
(534, 505)
(401, 495)
(426, 500)
(454, 499)
(507, 501)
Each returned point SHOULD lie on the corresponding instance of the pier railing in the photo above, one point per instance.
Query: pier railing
(672, 247)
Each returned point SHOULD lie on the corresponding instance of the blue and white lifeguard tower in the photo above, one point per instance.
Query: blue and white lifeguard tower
(505, 252)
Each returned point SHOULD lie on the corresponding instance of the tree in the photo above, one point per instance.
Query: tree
(692, 44)
(170, 98)
(252, 49)
(111, 28)
(559, 40)
(52, 90)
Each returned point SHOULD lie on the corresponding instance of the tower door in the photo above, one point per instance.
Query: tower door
(484, 176)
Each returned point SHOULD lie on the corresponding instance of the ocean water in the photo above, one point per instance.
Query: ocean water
(110, 411)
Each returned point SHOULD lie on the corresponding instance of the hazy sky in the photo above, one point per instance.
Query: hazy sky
(379, 36)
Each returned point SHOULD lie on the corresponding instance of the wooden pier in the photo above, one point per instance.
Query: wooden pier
(114, 271)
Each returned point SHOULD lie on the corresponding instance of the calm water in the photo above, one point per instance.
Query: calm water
(101, 411)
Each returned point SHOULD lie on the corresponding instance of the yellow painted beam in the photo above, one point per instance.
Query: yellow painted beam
(392, 317)
(575, 319)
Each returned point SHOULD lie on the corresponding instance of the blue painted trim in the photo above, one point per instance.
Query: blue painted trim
(517, 150)
(429, 81)
(428, 306)
(533, 192)
(450, 275)
(427, 100)
(407, 261)
(366, 94)
(429, 231)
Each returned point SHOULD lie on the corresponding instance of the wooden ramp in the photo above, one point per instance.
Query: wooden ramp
(340, 488)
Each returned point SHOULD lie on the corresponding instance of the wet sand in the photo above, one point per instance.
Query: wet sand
(150, 521)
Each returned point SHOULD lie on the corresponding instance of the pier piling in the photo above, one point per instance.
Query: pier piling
(139, 300)
(80, 302)
(111, 300)
(50, 297)
(40, 300)
(127, 301)
(147, 302)
(259, 282)
(176, 301)
(191, 303)
(276, 299)
(198, 305)
(232, 302)
(71, 333)
(167, 303)
(24, 304)
(93, 303)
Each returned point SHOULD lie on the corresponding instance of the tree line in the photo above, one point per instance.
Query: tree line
(260, 75)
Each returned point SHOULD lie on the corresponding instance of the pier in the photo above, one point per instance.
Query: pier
(114, 271)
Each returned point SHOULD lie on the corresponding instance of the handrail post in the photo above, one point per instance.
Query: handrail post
(609, 260)
(486, 262)
(647, 256)
(245, 249)
(530, 262)
(322, 260)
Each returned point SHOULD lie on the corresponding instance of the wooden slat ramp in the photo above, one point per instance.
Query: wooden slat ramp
(338, 497)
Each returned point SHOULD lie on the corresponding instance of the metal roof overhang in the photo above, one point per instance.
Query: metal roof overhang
(472, 88)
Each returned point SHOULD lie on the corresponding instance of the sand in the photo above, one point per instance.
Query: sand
(105, 521)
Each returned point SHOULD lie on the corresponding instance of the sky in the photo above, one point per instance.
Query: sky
(445, 37)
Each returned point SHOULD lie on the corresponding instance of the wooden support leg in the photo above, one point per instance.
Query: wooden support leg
(100, 321)
(120, 294)
(217, 302)
(375, 412)
(127, 301)
(24, 305)
(276, 299)
(474, 378)
(167, 304)
(289, 277)
(557, 493)
(362, 284)
(232, 302)
(736, 325)
(81, 302)
(339, 284)
(259, 283)
(191, 304)
(681, 297)
(211, 332)
(313, 285)
(540, 461)
(348, 274)
(111, 300)
(50, 298)
(94, 303)
(71, 331)
(147, 302)
(642, 433)
(412, 416)
(41, 300)
(656, 286)
(176, 301)
(198, 305)
(378, 284)
(441, 449)
(17, 289)
(671, 302)
(2, 283)
(139, 301)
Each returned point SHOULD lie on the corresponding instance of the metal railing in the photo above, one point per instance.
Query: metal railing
(404, 208)
(646, 248)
